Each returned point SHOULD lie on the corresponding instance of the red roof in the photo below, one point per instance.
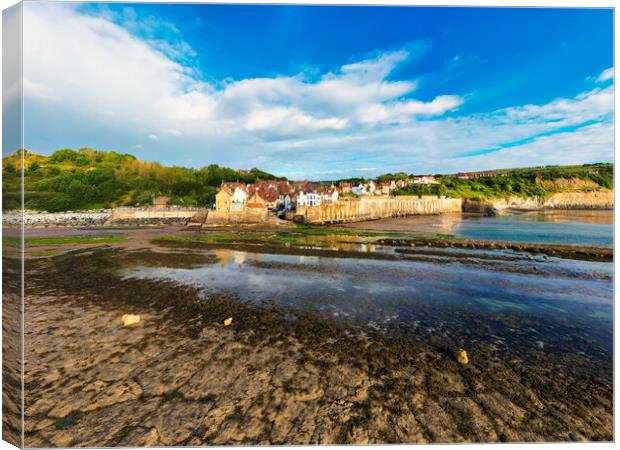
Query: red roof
(233, 185)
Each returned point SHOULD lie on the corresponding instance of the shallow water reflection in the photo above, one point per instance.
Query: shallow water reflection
(519, 300)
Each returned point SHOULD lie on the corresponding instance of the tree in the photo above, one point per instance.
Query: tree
(63, 155)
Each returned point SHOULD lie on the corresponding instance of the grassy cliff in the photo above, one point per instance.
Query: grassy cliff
(89, 179)
(526, 182)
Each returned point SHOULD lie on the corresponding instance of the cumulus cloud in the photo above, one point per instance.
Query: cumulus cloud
(103, 81)
(607, 74)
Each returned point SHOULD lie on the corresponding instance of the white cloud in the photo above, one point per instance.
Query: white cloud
(353, 118)
(38, 90)
(607, 74)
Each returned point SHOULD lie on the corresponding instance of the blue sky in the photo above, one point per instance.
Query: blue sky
(322, 92)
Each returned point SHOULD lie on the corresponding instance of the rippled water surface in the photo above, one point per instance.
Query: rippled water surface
(593, 228)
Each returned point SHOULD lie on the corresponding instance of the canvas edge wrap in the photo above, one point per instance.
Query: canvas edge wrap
(12, 271)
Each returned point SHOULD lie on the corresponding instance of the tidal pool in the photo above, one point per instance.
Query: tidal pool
(510, 299)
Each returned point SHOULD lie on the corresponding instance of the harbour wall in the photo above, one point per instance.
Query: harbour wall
(371, 208)
(245, 216)
(152, 216)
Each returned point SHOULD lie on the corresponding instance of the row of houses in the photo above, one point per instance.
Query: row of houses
(385, 188)
(275, 195)
(473, 176)
(285, 195)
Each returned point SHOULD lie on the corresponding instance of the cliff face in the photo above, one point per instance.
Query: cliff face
(561, 200)
(581, 200)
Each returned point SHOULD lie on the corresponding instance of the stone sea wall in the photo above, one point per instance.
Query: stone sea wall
(246, 216)
(371, 208)
(152, 216)
(105, 217)
(562, 200)
(35, 219)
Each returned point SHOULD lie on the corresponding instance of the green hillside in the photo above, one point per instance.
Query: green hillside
(90, 179)
(526, 182)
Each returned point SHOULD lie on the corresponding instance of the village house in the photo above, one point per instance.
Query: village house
(287, 202)
(256, 201)
(240, 196)
(372, 187)
(360, 189)
(223, 199)
(473, 176)
(344, 187)
(425, 179)
(329, 195)
(308, 199)
(383, 188)
(400, 184)
(268, 190)
(232, 196)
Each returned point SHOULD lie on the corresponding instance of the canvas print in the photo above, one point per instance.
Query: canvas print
(236, 224)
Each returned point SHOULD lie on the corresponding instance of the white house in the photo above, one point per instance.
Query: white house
(308, 199)
(372, 187)
(330, 195)
(239, 198)
(360, 189)
(425, 179)
(287, 202)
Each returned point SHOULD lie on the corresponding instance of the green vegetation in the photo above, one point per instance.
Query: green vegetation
(90, 179)
(528, 182)
(15, 241)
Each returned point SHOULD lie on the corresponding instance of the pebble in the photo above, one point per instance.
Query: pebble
(130, 319)
(462, 357)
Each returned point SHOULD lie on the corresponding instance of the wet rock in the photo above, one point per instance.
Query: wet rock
(115, 394)
(32, 425)
(130, 319)
(462, 357)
